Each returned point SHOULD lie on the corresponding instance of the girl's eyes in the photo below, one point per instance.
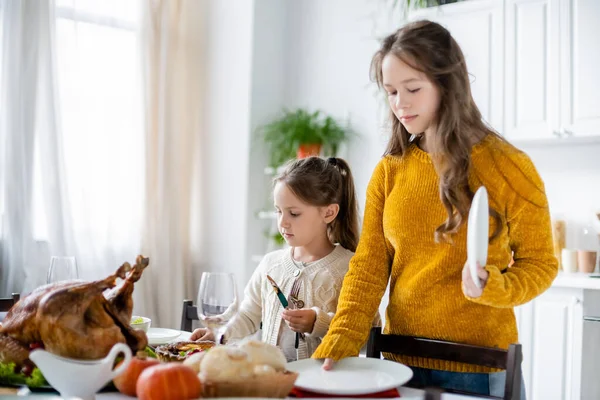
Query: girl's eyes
(278, 212)
(409, 91)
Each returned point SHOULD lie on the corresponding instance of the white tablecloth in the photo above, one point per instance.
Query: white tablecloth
(405, 394)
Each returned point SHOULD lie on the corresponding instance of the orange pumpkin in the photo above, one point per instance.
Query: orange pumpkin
(171, 381)
(126, 382)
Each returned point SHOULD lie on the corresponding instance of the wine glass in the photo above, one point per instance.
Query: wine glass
(62, 269)
(217, 302)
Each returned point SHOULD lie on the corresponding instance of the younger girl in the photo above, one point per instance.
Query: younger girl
(317, 216)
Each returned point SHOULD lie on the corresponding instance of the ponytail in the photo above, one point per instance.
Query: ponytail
(344, 228)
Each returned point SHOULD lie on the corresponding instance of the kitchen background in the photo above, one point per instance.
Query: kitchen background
(228, 67)
(533, 78)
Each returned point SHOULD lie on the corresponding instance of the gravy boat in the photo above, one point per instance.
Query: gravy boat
(80, 378)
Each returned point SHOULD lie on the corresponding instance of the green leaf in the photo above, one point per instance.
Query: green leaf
(291, 129)
(150, 352)
(9, 377)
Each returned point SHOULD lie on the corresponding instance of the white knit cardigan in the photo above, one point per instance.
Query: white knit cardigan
(320, 289)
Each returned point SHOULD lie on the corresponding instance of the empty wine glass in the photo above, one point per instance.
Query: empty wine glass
(62, 269)
(217, 302)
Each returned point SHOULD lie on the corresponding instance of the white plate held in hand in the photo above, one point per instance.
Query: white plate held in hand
(478, 233)
(350, 376)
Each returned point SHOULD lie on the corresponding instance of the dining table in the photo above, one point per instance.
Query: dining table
(406, 393)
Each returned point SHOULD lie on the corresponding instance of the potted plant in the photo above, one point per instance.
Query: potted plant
(301, 133)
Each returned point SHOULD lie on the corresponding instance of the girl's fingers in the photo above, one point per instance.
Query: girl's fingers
(292, 319)
(197, 334)
(481, 272)
(328, 364)
(296, 327)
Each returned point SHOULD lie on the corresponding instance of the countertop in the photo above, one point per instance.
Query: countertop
(577, 280)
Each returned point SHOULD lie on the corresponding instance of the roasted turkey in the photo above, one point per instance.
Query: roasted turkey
(76, 319)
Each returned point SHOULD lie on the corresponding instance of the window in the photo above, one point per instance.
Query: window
(100, 114)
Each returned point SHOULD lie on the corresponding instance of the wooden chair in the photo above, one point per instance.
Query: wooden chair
(188, 314)
(7, 303)
(509, 360)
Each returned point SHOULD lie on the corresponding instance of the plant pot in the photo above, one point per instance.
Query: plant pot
(307, 150)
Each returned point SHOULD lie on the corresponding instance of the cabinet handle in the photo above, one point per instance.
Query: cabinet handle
(592, 319)
(567, 132)
(557, 134)
(575, 301)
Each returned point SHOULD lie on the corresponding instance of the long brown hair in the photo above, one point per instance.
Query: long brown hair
(321, 182)
(428, 47)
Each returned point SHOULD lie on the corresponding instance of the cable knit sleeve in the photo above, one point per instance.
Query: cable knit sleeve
(365, 281)
(322, 322)
(249, 316)
(530, 238)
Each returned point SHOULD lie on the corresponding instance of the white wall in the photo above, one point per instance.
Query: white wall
(572, 177)
(226, 137)
(330, 45)
(267, 97)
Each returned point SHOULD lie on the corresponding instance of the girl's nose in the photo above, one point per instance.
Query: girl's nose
(400, 102)
(283, 222)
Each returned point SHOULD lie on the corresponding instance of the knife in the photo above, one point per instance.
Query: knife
(285, 304)
(279, 293)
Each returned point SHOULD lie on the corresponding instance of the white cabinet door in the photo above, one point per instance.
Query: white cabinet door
(478, 27)
(524, 317)
(556, 345)
(532, 69)
(580, 63)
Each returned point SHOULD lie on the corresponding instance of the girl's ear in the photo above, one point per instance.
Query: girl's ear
(330, 212)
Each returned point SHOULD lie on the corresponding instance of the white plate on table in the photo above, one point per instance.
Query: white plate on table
(158, 336)
(350, 376)
(478, 230)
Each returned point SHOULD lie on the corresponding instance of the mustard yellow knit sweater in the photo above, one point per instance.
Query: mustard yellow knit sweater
(402, 211)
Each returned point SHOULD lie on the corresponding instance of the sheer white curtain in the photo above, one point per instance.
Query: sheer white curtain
(99, 150)
(29, 122)
(100, 96)
(72, 150)
(172, 32)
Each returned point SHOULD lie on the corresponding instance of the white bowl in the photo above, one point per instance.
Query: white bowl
(145, 325)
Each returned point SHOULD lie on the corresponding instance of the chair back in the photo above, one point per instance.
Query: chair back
(7, 303)
(188, 314)
(509, 360)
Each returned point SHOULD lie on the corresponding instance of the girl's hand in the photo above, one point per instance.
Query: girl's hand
(302, 320)
(468, 286)
(202, 334)
(328, 364)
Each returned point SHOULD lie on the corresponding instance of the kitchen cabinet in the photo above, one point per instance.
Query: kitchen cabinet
(560, 335)
(580, 57)
(532, 101)
(551, 86)
(550, 333)
(478, 27)
(533, 64)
